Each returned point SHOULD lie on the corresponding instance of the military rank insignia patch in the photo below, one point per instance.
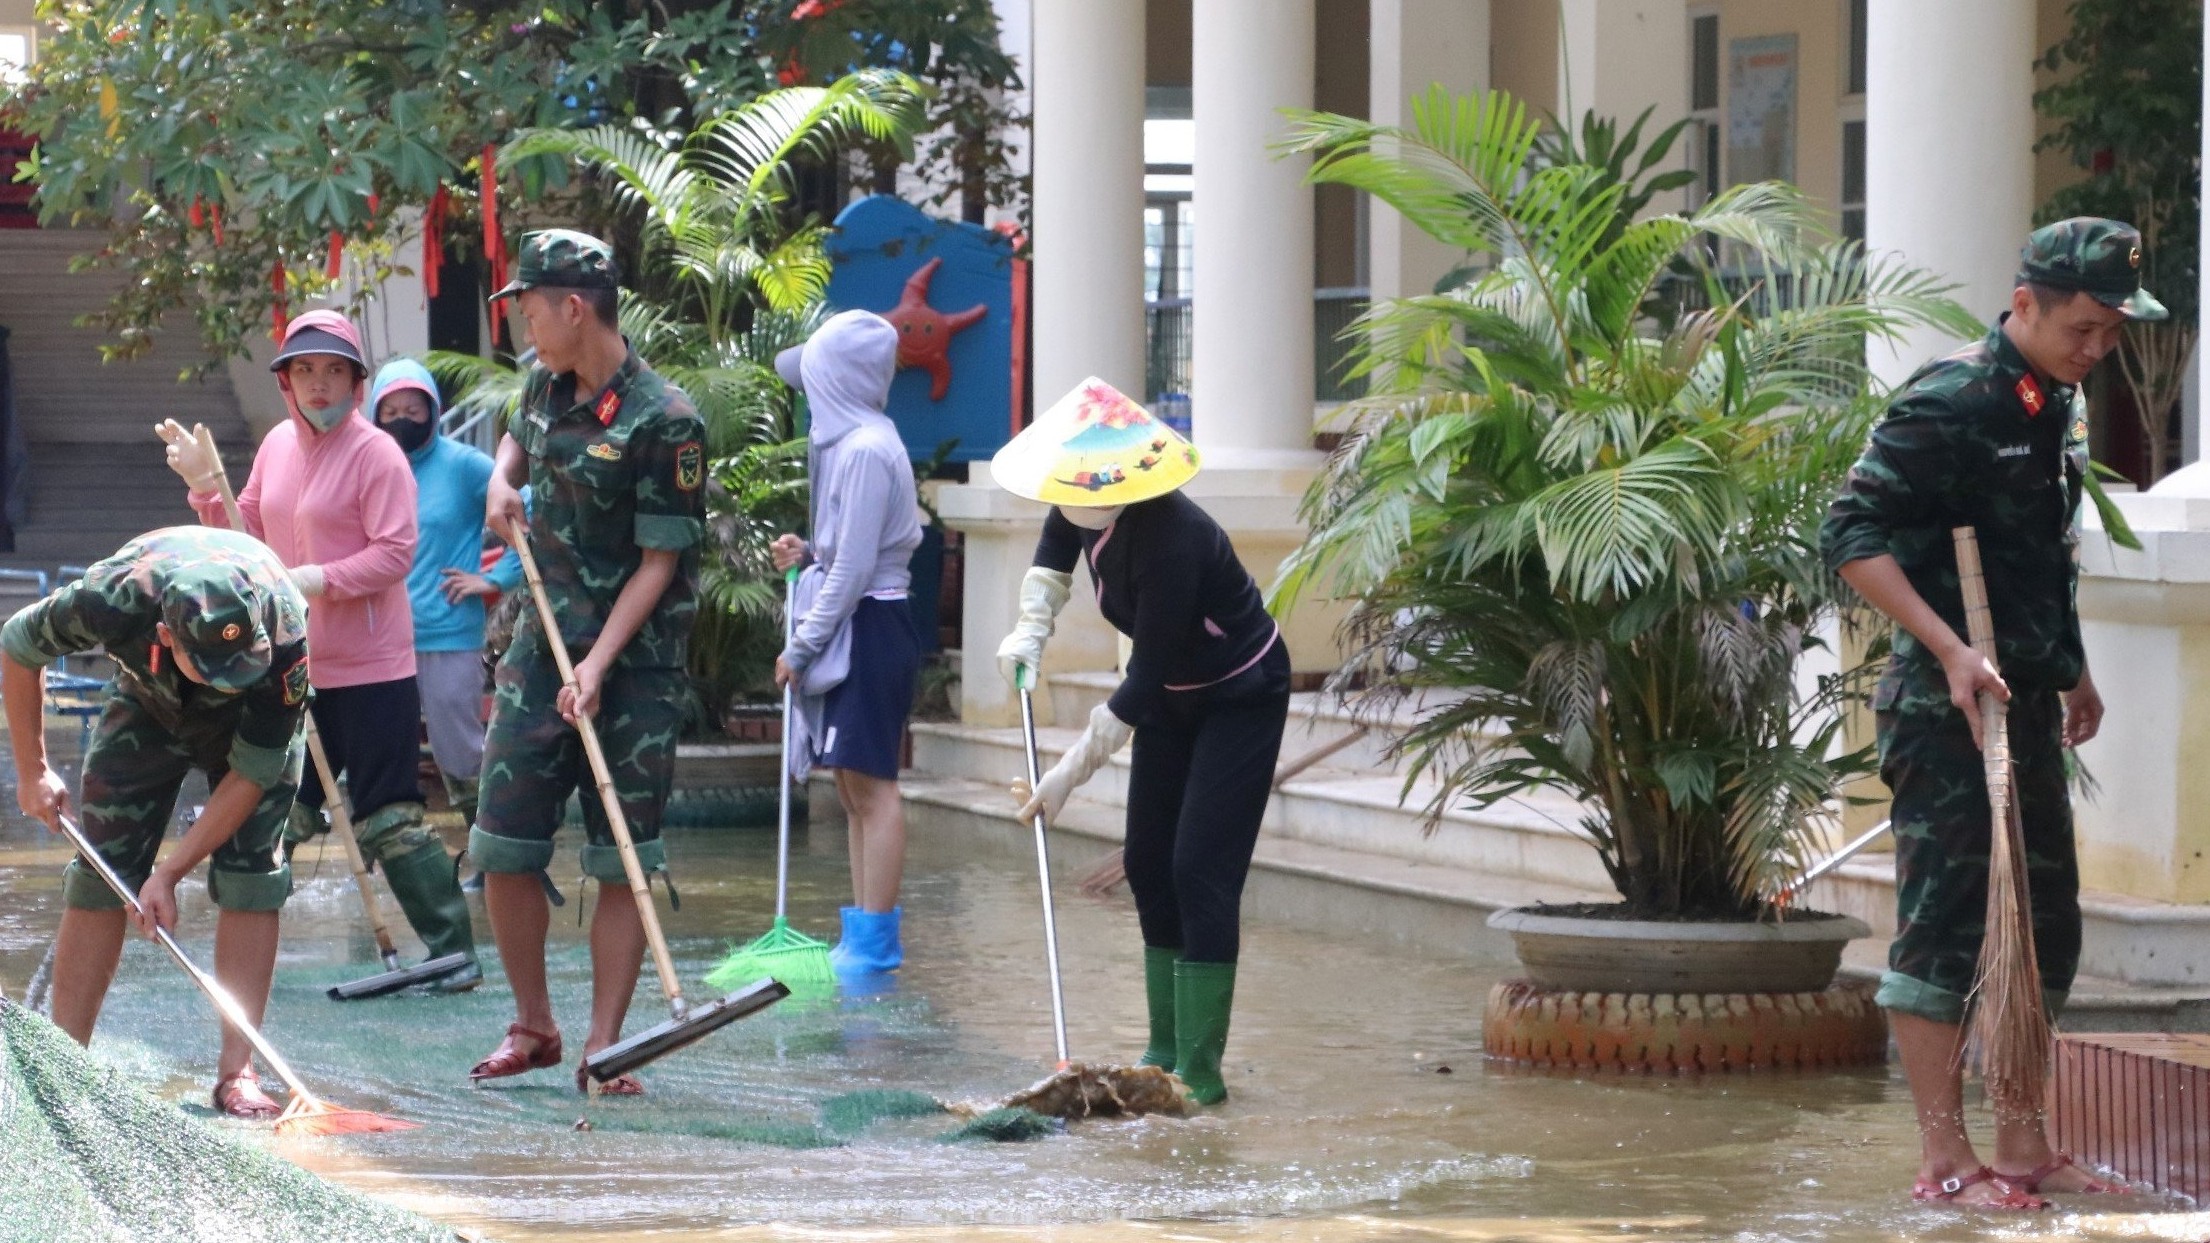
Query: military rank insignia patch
(690, 466)
(295, 684)
(2029, 393)
(604, 452)
(610, 404)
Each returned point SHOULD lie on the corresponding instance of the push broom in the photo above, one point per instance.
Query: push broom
(782, 951)
(685, 1025)
(1076, 1089)
(394, 977)
(307, 1114)
(2010, 1022)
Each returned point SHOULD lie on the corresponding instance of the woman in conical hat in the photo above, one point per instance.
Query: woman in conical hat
(1206, 694)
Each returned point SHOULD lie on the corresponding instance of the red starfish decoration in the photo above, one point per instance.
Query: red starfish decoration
(925, 333)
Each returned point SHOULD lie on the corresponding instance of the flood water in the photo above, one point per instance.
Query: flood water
(1361, 1105)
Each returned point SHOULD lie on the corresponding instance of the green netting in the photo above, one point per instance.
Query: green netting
(84, 1155)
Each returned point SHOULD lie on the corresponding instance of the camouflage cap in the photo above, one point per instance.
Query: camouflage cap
(565, 259)
(2098, 257)
(211, 613)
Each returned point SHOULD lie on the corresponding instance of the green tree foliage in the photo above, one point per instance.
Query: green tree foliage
(2126, 107)
(1586, 541)
(951, 47)
(223, 142)
(742, 280)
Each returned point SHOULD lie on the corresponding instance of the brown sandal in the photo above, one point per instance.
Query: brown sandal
(240, 1096)
(1948, 1189)
(2032, 1181)
(619, 1085)
(506, 1060)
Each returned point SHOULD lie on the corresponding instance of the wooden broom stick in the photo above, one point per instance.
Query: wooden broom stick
(2009, 1022)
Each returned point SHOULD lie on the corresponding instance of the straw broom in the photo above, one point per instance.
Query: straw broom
(2009, 1024)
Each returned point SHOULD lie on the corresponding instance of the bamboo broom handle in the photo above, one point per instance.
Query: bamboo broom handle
(1994, 717)
(662, 962)
(341, 823)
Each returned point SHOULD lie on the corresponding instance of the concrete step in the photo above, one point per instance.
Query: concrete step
(1534, 840)
(1531, 838)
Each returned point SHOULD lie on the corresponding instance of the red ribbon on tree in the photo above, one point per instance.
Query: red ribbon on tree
(433, 240)
(276, 313)
(197, 215)
(336, 265)
(494, 245)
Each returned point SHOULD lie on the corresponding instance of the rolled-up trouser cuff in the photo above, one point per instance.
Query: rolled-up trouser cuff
(82, 890)
(604, 863)
(505, 855)
(250, 891)
(1908, 995)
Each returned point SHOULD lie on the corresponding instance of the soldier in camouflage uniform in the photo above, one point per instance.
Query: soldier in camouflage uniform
(615, 459)
(209, 639)
(1995, 437)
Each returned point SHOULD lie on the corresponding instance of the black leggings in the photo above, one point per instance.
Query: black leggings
(371, 734)
(1197, 790)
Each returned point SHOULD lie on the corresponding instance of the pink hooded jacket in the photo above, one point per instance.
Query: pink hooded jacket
(343, 500)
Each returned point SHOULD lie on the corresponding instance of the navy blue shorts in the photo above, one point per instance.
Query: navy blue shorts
(863, 722)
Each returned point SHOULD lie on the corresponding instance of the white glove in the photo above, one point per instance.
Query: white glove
(1043, 593)
(1107, 733)
(308, 578)
(188, 455)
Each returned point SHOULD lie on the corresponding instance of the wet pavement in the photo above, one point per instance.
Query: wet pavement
(1361, 1106)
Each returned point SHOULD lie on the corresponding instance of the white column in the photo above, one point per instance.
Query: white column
(1949, 131)
(1413, 45)
(1251, 358)
(1087, 81)
(1621, 56)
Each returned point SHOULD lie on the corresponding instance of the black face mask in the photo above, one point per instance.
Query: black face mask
(410, 434)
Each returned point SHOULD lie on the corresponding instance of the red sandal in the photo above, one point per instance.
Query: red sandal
(2032, 1182)
(619, 1085)
(1948, 1189)
(240, 1096)
(507, 1060)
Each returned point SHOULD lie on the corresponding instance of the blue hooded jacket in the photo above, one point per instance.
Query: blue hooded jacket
(451, 481)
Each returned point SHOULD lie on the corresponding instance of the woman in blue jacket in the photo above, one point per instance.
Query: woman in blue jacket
(446, 587)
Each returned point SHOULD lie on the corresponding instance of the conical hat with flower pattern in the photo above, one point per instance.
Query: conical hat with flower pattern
(1094, 447)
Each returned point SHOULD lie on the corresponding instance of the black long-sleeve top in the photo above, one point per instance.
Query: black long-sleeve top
(1167, 577)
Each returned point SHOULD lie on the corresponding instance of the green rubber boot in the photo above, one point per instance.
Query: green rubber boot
(460, 795)
(420, 874)
(1158, 992)
(1204, 992)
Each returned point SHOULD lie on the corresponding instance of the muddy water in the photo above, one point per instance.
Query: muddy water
(1361, 1106)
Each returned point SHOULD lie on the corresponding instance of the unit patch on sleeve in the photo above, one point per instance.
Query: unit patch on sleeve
(690, 466)
(295, 683)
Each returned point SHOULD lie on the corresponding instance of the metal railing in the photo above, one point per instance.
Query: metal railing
(1166, 334)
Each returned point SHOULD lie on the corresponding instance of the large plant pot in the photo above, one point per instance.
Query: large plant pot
(1596, 955)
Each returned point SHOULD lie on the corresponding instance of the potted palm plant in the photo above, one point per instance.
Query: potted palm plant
(1593, 526)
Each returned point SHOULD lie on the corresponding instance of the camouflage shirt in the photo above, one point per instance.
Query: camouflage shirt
(1975, 439)
(610, 478)
(116, 606)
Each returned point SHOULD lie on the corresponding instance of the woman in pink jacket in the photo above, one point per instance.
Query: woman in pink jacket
(334, 497)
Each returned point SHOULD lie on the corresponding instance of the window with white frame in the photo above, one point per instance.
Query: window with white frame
(1703, 130)
(18, 44)
(1852, 111)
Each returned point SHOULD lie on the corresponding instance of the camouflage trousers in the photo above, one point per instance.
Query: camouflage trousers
(1941, 828)
(132, 774)
(533, 760)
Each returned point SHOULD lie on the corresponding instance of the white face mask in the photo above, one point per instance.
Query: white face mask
(1091, 518)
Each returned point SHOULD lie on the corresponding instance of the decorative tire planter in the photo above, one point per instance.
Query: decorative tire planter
(1648, 995)
(1672, 1033)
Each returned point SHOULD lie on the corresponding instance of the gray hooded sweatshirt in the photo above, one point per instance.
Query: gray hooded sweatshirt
(866, 517)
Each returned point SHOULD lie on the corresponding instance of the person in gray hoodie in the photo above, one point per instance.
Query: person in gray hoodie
(854, 652)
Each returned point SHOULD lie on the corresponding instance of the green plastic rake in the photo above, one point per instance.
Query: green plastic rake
(782, 951)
